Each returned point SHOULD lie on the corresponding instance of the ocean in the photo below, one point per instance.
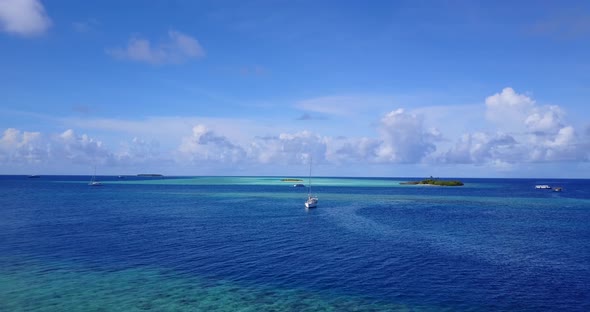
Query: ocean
(248, 244)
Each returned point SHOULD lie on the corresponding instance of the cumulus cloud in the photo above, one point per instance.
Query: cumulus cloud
(23, 17)
(565, 145)
(178, 48)
(512, 111)
(404, 138)
(80, 149)
(288, 148)
(545, 120)
(480, 148)
(526, 132)
(206, 145)
(400, 137)
(21, 147)
(508, 109)
(69, 148)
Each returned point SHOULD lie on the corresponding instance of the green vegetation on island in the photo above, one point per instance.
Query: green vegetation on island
(291, 180)
(433, 181)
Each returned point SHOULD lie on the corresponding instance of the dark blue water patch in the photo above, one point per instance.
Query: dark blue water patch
(513, 248)
(443, 247)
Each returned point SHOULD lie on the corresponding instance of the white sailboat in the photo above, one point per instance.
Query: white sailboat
(312, 201)
(93, 181)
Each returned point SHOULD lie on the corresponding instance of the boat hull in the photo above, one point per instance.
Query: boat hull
(543, 187)
(311, 203)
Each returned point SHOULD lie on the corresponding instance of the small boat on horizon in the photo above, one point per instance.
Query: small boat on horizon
(34, 176)
(542, 187)
(557, 189)
(93, 180)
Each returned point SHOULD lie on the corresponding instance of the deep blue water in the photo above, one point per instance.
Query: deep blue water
(223, 243)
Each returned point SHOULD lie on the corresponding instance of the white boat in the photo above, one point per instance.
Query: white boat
(93, 181)
(542, 186)
(312, 201)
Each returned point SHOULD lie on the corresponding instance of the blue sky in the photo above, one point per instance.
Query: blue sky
(379, 88)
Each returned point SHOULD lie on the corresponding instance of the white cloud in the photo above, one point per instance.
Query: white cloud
(227, 145)
(288, 148)
(23, 17)
(535, 134)
(69, 148)
(21, 147)
(79, 149)
(565, 145)
(509, 109)
(513, 112)
(404, 139)
(206, 145)
(481, 148)
(545, 120)
(177, 49)
(565, 137)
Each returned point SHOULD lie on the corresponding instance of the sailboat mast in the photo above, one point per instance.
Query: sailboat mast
(309, 191)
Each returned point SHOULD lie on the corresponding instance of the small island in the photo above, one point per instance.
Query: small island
(149, 175)
(433, 181)
(291, 180)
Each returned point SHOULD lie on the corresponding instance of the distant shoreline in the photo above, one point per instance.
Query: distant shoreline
(291, 180)
(536, 180)
(435, 182)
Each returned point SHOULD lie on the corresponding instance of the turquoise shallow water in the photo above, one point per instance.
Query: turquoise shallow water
(247, 244)
(68, 288)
